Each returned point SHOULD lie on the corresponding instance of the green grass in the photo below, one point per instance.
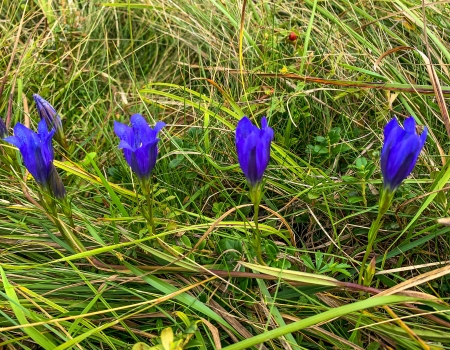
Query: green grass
(181, 62)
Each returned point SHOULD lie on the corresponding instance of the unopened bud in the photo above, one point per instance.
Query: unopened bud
(369, 272)
(51, 117)
(56, 184)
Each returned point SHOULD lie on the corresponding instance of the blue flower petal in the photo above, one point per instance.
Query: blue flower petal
(125, 145)
(392, 125)
(30, 150)
(124, 132)
(14, 140)
(159, 126)
(243, 129)
(141, 130)
(47, 150)
(402, 160)
(37, 153)
(42, 128)
(139, 144)
(249, 159)
(395, 134)
(423, 137)
(400, 152)
(146, 157)
(253, 148)
(263, 123)
(138, 120)
(410, 125)
(263, 151)
(128, 154)
(25, 135)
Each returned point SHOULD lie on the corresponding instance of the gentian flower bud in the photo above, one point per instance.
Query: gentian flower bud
(3, 129)
(139, 144)
(37, 154)
(400, 151)
(253, 149)
(51, 117)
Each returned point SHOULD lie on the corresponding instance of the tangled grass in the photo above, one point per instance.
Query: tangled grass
(200, 66)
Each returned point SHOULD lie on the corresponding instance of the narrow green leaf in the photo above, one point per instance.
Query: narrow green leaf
(319, 318)
(184, 298)
(294, 275)
(34, 334)
(113, 195)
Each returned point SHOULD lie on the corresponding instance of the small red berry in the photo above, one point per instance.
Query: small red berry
(292, 36)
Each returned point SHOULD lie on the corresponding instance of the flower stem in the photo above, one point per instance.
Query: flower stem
(363, 193)
(148, 189)
(257, 235)
(384, 204)
(147, 186)
(70, 237)
(372, 236)
(255, 195)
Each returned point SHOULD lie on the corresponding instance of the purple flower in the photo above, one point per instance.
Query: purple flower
(139, 144)
(253, 148)
(48, 113)
(37, 154)
(400, 151)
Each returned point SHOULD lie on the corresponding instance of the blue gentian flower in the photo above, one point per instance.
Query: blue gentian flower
(400, 151)
(37, 154)
(253, 149)
(139, 144)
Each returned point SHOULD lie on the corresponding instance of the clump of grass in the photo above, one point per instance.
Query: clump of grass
(327, 94)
